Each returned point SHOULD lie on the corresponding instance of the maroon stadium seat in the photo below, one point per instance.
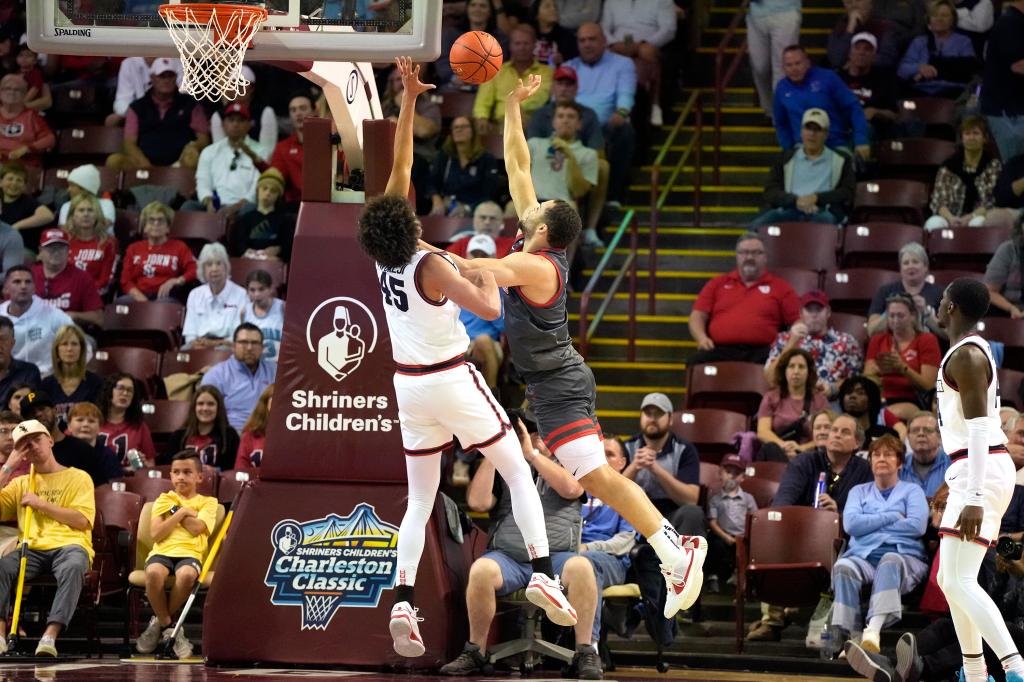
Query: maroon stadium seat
(88, 144)
(709, 430)
(197, 229)
(192, 361)
(735, 386)
(851, 291)
(150, 324)
(801, 245)
(241, 267)
(801, 280)
(182, 179)
(913, 158)
(877, 245)
(854, 325)
(963, 248)
(110, 178)
(901, 200)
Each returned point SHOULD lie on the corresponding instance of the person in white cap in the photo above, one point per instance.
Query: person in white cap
(162, 126)
(263, 133)
(64, 509)
(875, 87)
(132, 83)
(810, 183)
(85, 179)
(860, 17)
(485, 335)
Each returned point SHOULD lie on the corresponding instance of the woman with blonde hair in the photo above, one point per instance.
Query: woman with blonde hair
(71, 382)
(91, 248)
(254, 434)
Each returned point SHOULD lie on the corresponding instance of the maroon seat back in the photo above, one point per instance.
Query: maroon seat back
(851, 291)
(711, 431)
(900, 200)
(735, 386)
(964, 248)
(877, 244)
(800, 245)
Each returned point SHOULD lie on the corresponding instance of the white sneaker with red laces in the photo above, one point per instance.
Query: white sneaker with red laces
(405, 630)
(684, 579)
(547, 593)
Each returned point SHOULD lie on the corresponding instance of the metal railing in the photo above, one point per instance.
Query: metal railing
(587, 328)
(693, 104)
(722, 80)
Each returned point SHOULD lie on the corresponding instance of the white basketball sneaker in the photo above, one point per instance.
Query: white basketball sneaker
(684, 578)
(547, 593)
(405, 630)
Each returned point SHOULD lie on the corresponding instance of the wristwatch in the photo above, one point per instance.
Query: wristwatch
(174, 510)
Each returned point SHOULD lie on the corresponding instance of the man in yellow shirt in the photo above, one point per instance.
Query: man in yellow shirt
(181, 523)
(60, 533)
(489, 106)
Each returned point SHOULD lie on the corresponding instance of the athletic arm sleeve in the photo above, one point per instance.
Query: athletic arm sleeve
(977, 451)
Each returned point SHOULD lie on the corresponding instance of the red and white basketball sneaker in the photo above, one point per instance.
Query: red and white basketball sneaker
(547, 593)
(684, 578)
(405, 630)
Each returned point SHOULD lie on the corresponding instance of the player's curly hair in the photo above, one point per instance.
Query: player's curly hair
(970, 296)
(564, 224)
(387, 231)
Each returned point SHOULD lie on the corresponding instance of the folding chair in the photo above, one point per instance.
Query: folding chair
(150, 324)
(735, 386)
(801, 245)
(181, 179)
(877, 244)
(851, 291)
(901, 200)
(711, 431)
(963, 248)
(785, 557)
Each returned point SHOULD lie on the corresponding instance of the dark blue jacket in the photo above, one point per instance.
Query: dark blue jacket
(823, 89)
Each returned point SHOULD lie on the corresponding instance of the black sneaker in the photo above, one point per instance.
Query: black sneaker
(874, 667)
(470, 662)
(587, 663)
(909, 665)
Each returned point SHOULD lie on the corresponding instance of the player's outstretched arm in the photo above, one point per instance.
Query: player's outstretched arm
(517, 153)
(969, 368)
(401, 167)
(479, 296)
(514, 270)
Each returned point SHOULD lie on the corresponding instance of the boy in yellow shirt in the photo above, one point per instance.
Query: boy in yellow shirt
(60, 533)
(181, 524)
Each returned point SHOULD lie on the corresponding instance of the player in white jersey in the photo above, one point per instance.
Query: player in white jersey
(439, 394)
(980, 479)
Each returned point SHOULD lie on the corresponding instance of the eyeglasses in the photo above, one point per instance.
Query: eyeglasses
(750, 252)
(124, 389)
(243, 342)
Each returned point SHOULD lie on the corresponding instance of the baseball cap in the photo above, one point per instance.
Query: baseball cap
(482, 242)
(565, 73)
(734, 461)
(33, 400)
(866, 37)
(659, 400)
(27, 428)
(238, 109)
(161, 65)
(814, 296)
(54, 235)
(817, 117)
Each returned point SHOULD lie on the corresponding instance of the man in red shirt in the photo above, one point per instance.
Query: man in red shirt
(737, 315)
(61, 284)
(488, 219)
(287, 156)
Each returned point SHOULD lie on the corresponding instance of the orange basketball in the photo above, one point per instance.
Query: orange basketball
(475, 57)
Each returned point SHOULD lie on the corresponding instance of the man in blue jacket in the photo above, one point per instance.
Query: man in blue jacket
(806, 87)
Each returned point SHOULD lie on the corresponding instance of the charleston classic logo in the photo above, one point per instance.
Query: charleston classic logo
(325, 564)
(342, 339)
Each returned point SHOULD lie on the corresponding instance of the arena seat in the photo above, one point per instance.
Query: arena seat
(192, 361)
(624, 597)
(230, 484)
(851, 291)
(278, 271)
(495, 144)
(120, 511)
(181, 179)
(711, 431)
(1011, 334)
(146, 487)
(877, 245)
(769, 471)
(785, 557)
(164, 417)
(150, 324)
(943, 278)
(197, 229)
(736, 386)
(1010, 381)
(141, 363)
(88, 144)
(963, 248)
(438, 229)
(939, 115)
(710, 484)
(208, 486)
(126, 227)
(81, 101)
(801, 245)
(800, 279)
(454, 104)
(901, 200)
(913, 158)
(110, 178)
(854, 325)
(762, 490)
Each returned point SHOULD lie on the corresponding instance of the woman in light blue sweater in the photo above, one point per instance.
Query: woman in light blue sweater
(886, 520)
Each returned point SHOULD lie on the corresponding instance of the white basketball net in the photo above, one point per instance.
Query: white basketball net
(317, 610)
(212, 47)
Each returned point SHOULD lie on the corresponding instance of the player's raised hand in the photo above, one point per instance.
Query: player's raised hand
(524, 91)
(969, 523)
(410, 73)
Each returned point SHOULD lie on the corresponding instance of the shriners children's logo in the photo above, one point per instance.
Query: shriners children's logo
(325, 564)
(342, 340)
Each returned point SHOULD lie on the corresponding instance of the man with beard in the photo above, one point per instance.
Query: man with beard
(927, 463)
(668, 470)
(68, 450)
(860, 398)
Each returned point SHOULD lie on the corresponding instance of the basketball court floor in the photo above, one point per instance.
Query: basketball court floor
(113, 671)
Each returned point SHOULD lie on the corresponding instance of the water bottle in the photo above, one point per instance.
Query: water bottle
(828, 644)
(135, 460)
(819, 489)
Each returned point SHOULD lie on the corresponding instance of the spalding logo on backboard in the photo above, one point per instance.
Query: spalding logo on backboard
(325, 564)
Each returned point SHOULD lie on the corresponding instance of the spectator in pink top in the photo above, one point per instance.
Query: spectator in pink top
(24, 135)
(784, 419)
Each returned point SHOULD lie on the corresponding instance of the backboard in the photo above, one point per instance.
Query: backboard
(317, 30)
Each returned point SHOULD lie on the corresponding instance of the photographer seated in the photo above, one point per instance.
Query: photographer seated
(64, 508)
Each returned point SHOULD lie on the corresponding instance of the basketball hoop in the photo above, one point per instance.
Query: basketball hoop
(212, 40)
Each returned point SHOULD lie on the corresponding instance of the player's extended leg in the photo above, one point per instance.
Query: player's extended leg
(682, 557)
(974, 613)
(424, 474)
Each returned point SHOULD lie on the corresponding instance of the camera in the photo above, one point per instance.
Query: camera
(1009, 549)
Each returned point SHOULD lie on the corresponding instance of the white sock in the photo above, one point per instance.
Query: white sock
(666, 542)
(974, 668)
(875, 624)
(1013, 663)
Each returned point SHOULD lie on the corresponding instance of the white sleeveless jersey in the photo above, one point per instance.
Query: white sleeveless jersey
(423, 332)
(952, 425)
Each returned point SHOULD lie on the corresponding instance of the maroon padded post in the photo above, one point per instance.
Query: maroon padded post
(317, 169)
(378, 136)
